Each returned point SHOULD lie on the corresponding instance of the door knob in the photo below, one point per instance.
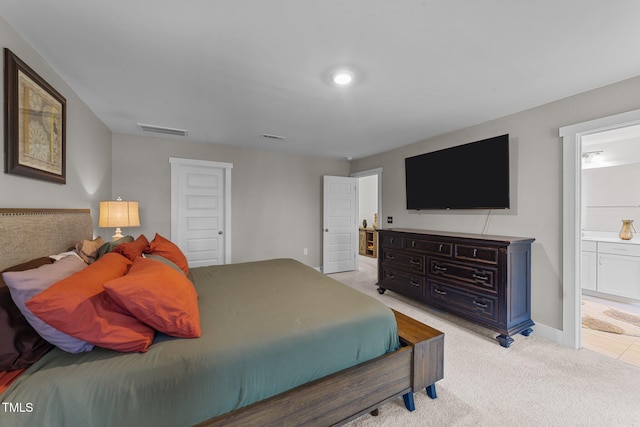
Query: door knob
(220, 232)
(326, 230)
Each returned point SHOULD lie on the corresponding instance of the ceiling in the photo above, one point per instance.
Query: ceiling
(229, 71)
(615, 147)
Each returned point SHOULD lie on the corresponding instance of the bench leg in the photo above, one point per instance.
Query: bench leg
(431, 391)
(408, 401)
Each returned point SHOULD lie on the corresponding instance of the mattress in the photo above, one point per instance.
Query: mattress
(267, 327)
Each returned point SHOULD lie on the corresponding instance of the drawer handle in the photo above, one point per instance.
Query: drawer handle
(389, 256)
(478, 277)
(391, 276)
(414, 282)
(480, 304)
(437, 267)
(413, 243)
(475, 253)
(438, 291)
(415, 262)
(440, 248)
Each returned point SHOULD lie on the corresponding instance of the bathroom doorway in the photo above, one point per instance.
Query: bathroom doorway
(610, 265)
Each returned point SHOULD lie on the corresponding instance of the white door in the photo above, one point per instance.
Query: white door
(200, 210)
(340, 229)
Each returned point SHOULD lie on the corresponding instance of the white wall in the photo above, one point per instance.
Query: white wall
(88, 144)
(610, 195)
(276, 198)
(536, 184)
(367, 199)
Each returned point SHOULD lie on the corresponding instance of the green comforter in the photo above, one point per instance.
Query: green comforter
(267, 327)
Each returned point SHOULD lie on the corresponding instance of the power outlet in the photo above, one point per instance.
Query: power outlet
(389, 220)
(305, 251)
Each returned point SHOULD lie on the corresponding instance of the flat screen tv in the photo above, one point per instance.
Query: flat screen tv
(469, 176)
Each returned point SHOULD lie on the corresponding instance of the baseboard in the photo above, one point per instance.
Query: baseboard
(547, 332)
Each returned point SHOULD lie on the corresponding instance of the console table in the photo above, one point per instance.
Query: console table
(484, 279)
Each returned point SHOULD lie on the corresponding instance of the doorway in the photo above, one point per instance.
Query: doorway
(610, 266)
(369, 217)
(572, 213)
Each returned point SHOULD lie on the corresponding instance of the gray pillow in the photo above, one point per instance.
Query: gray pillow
(109, 246)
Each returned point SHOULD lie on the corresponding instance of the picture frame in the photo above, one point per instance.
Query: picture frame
(35, 124)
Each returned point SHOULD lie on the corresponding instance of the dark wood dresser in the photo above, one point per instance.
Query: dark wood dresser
(484, 279)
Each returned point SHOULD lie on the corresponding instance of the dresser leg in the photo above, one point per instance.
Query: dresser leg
(408, 401)
(381, 290)
(504, 340)
(527, 332)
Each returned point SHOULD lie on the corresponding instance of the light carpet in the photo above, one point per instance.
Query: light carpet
(535, 382)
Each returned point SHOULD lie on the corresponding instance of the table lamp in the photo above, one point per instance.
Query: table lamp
(119, 213)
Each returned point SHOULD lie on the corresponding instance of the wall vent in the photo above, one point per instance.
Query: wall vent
(269, 136)
(162, 129)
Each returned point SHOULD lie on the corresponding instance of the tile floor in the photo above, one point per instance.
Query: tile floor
(622, 347)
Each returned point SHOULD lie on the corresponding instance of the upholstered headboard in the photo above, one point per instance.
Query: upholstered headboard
(26, 234)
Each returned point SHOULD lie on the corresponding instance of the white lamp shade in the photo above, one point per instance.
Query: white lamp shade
(119, 213)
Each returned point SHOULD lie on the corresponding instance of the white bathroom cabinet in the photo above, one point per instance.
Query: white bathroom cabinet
(612, 269)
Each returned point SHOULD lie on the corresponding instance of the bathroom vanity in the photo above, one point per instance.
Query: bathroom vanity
(610, 266)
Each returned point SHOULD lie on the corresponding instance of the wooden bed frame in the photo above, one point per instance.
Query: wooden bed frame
(26, 234)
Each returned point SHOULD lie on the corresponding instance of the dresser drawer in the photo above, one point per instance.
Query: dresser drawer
(391, 241)
(478, 277)
(432, 247)
(476, 253)
(402, 282)
(469, 304)
(404, 260)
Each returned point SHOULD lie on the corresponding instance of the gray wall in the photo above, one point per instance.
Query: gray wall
(536, 183)
(609, 195)
(276, 198)
(88, 147)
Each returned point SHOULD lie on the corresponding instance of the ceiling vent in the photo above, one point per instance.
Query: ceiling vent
(162, 129)
(276, 137)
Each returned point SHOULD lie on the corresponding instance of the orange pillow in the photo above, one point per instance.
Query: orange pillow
(159, 296)
(134, 249)
(166, 248)
(79, 306)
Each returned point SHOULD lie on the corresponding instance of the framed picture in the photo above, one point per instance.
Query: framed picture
(35, 116)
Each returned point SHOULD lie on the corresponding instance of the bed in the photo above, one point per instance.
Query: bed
(280, 344)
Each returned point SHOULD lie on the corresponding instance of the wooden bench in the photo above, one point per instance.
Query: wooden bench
(428, 355)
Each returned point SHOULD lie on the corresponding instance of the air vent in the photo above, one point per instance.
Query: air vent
(162, 129)
(269, 136)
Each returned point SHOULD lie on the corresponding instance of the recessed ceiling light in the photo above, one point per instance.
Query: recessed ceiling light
(343, 75)
(343, 78)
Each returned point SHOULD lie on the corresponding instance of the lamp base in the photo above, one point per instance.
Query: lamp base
(118, 234)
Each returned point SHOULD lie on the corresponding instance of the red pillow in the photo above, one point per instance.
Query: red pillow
(159, 296)
(134, 249)
(166, 248)
(78, 306)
